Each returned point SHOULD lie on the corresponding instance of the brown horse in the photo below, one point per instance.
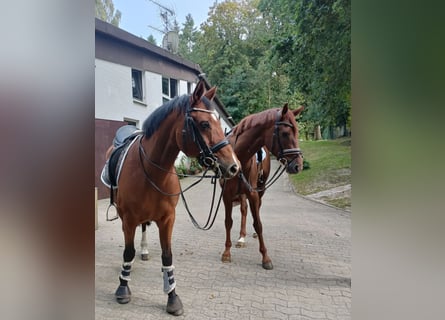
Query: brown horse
(148, 187)
(278, 131)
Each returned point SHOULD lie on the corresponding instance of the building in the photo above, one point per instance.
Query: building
(132, 78)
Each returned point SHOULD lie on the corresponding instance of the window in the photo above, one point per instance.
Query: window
(136, 80)
(131, 121)
(189, 87)
(169, 88)
(173, 88)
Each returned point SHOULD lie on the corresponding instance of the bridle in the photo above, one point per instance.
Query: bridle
(283, 153)
(206, 155)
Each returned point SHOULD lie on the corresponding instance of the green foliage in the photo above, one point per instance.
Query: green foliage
(105, 11)
(313, 38)
(188, 166)
(263, 53)
(306, 164)
(151, 39)
(187, 39)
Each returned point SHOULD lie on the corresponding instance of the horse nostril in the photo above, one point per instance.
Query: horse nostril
(233, 169)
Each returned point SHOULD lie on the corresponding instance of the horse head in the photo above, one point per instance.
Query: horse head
(285, 139)
(203, 137)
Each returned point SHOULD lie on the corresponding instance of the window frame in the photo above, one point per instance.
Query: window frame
(139, 76)
(169, 84)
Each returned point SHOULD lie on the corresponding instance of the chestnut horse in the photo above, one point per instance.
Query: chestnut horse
(148, 187)
(276, 129)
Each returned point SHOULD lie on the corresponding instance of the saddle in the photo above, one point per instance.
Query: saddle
(123, 139)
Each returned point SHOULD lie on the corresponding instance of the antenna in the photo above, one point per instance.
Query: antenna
(166, 15)
(170, 40)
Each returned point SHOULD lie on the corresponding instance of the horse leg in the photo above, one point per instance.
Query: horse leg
(144, 243)
(123, 293)
(226, 256)
(241, 243)
(174, 304)
(254, 202)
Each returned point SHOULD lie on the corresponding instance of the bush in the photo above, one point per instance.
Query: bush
(306, 164)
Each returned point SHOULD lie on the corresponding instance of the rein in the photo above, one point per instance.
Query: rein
(277, 174)
(207, 226)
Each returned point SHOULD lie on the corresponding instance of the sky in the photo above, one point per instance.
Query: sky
(137, 15)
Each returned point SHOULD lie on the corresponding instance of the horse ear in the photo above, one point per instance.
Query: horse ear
(198, 92)
(285, 109)
(211, 93)
(297, 111)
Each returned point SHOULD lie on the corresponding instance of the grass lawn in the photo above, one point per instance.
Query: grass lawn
(330, 166)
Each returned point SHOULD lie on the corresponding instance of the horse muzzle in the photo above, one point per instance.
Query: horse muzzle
(230, 171)
(296, 164)
(294, 167)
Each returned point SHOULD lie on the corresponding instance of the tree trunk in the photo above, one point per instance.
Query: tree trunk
(317, 132)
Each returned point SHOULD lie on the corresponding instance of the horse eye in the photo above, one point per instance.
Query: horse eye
(205, 125)
(285, 134)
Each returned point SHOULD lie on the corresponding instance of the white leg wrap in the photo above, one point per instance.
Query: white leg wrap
(144, 243)
(169, 279)
(125, 271)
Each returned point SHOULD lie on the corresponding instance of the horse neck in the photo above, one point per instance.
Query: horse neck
(161, 146)
(249, 141)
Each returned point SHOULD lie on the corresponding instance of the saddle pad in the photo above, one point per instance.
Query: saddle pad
(112, 169)
(260, 155)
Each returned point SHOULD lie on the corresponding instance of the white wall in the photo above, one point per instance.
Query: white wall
(114, 96)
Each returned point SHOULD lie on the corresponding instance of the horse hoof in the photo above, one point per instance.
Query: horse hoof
(123, 294)
(240, 245)
(174, 305)
(226, 259)
(144, 256)
(267, 265)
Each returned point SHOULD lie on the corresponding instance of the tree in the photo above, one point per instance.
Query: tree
(313, 39)
(105, 11)
(151, 39)
(187, 38)
(231, 48)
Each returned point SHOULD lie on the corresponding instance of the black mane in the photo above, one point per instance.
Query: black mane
(180, 104)
(154, 120)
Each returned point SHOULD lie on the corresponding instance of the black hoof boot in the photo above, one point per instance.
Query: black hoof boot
(174, 305)
(123, 294)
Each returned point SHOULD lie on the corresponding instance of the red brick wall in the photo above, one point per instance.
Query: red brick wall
(104, 134)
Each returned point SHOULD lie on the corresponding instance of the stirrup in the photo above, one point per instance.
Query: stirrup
(116, 216)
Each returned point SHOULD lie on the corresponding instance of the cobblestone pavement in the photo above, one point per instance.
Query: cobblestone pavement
(308, 242)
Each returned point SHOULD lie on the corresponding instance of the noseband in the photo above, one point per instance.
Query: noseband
(282, 153)
(206, 156)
